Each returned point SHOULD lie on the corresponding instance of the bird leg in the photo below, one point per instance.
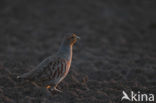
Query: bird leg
(55, 89)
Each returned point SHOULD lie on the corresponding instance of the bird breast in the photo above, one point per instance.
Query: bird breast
(67, 67)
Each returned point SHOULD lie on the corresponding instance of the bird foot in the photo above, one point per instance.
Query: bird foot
(55, 89)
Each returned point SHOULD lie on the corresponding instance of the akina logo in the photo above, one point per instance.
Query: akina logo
(137, 97)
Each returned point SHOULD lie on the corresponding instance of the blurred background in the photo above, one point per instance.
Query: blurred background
(116, 52)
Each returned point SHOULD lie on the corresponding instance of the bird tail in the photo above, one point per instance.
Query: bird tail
(18, 77)
(23, 77)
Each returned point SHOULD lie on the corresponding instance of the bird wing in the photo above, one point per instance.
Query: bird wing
(36, 71)
(49, 69)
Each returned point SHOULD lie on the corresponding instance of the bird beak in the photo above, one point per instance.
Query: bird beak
(77, 37)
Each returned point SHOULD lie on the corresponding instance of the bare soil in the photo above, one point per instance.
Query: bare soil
(117, 50)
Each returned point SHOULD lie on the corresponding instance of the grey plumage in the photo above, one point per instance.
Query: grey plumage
(51, 71)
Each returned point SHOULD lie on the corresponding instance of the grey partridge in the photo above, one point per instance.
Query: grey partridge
(51, 71)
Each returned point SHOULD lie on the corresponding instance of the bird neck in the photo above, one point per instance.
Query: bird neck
(65, 51)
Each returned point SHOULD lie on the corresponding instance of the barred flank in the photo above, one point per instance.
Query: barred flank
(53, 70)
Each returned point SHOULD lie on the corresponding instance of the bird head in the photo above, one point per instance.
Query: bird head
(71, 39)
